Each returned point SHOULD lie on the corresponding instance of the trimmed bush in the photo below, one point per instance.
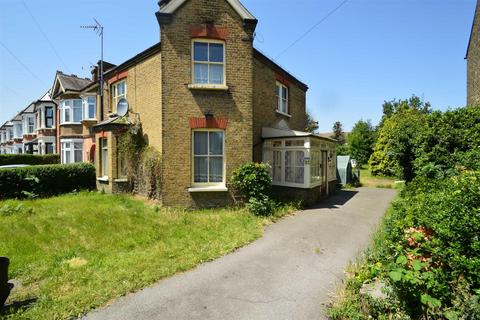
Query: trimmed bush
(31, 159)
(46, 180)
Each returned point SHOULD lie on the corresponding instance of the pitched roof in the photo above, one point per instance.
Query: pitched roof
(72, 82)
(65, 83)
(137, 58)
(168, 7)
(476, 16)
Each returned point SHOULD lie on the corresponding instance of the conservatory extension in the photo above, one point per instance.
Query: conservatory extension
(303, 165)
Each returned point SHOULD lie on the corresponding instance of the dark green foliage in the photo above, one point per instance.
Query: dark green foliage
(343, 149)
(261, 206)
(254, 183)
(361, 141)
(46, 180)
(413, 103)
(449, 139)
(311, 125)
(338, 133)
(252, 180)
(434, 249)
(396, 146)
(31, 159)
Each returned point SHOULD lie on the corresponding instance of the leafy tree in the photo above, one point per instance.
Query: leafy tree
(361, 141)
(394, 106)
(338, 132)
(311, 125)
(395, 149)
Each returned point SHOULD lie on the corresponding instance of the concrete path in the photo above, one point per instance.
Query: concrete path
(290, 273)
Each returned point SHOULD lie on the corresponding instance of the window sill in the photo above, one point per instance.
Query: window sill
(70, 123)
(217, 87)
(217, 188)
(121, 180)
(103, 179)
(283, 114)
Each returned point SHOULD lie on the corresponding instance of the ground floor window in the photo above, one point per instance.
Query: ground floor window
(315, 167)
(49, 148)
(208, 157)
(104, 156)
(294, 166)
(71, 151)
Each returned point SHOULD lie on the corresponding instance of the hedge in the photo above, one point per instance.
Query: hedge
(46, 180)
(31, 159)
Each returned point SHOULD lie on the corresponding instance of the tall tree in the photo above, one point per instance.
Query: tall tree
(413, 103)
(311, 125)
(362, 141)
(338, 132)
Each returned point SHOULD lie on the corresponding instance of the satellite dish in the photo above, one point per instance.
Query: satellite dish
(122, 107)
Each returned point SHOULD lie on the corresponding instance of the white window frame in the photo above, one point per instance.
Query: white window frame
(26, 124)
(279, 98)
(18, 130)
(208, 63)
(70, 148)
(104, 162)
(207, 184)
(116, 97)
(86, 107)
(71, 109)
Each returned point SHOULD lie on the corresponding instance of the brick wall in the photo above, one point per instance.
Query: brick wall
(473, 63)
(264, 114)
(144, 95)
(181, 103)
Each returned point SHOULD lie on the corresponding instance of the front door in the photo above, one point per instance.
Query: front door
(324, 187)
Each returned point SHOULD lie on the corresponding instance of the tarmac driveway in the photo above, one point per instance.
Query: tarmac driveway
(290, 273)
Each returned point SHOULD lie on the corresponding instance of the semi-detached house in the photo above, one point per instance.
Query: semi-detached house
(209, 102)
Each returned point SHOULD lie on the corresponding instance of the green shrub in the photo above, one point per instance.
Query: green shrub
(46, 180)
(31, 159)
(262, 206)
(433, 236)
(252, 180)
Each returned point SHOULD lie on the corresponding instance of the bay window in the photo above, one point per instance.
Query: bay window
(29, 124)
(119, 91)
(17, 130)
(208, 157)
(89, 108)
(281, 94)
(72, 151)
(208, 62)
(48, 117)
(104, 157)
(71, 111)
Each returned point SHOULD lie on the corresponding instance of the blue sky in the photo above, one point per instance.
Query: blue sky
(367, 52)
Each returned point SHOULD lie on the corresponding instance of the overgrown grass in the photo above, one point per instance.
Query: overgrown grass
(370, 181)
(76, 252)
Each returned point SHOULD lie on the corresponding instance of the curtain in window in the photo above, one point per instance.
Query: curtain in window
(208, 156)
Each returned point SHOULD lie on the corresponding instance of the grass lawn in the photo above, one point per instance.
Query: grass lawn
(370, 181)
(75, 252)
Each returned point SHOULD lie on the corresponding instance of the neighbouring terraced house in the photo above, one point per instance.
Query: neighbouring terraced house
(473, 61)
(207, 101)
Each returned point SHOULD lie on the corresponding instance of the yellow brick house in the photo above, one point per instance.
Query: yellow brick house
(208, 102)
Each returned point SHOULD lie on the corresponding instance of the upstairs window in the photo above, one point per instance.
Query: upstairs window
(71, 111)
(48, 117)
(208, 62)
(30, 125)
(119, 91)
(89, 108)
(281, 93)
